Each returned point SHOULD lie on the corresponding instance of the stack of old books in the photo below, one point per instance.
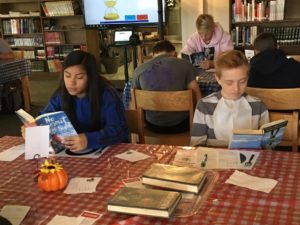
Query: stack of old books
(161, 201)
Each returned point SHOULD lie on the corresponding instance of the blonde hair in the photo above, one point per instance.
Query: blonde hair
(229, 60)
(205, 23)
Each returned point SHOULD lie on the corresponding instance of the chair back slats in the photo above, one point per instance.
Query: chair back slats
(165, 101)
(135, 122)
(282, 104)
(278, 99)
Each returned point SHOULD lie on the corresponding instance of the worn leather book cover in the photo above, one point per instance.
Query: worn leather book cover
(142, 201)
(175, 177)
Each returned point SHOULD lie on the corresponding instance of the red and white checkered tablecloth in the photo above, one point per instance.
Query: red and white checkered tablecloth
(225, 204)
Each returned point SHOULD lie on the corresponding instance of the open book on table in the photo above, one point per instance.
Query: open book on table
(59, 124)
(267, 137)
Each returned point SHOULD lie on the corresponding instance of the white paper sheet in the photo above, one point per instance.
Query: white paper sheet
(132, 156)
(12, 153)
(37, 142)
(213, 158)
(14, 213)
(252, 182)
(82, 185)
(65, 220)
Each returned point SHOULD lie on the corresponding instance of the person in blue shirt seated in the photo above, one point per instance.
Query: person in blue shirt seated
(91, 103)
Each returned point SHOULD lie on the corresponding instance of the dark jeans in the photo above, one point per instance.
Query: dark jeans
(179, 128)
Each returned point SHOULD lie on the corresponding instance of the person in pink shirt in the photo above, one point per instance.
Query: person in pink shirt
(209, 38)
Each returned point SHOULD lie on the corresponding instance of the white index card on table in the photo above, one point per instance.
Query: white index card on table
(14, 213)
(12, 153)
(82, 185)
(37, 142)
(132, 156)
(65, 220)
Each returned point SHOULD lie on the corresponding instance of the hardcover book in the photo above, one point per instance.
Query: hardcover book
(197, 57)
(194, 58)
(175, 177)
(267, 137)
(142, 201)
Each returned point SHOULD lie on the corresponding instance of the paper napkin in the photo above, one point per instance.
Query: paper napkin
(12, 153)
(252, 182)
(82, 185)
(132, 156)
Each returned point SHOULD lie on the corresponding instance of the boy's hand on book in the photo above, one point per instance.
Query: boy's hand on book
(76, 143)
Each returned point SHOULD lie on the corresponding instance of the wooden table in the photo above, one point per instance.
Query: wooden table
(14, 69)
(225, 204)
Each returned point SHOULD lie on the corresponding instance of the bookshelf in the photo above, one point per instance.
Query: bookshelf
(63, 30)
(281, 17)
(20, 24)
(46, 31)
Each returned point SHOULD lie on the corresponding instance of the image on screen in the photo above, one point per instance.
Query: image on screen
(105, 13)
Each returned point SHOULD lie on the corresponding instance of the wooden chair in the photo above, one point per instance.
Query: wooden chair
(282, 104)
(19, 54)
(135, 122)
(165, 101)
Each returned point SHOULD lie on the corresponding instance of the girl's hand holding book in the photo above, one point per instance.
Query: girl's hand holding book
(76, 143)
(24, 126)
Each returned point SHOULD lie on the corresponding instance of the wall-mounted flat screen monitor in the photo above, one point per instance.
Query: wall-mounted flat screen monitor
(120, 13)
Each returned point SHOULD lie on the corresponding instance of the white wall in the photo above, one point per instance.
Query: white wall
(219, 9)
(190, 10)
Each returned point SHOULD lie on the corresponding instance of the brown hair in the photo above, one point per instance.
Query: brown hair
(265, 41)
(229, 60)
(205, 23)
(163, 46)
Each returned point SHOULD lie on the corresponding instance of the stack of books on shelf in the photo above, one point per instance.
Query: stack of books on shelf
(30, 41)
(286, 35)
(168, 181)
(37, 66)
(21, 26)
(19, 14)
(54, 65)
(28, 54)
(54, 38)
(245, 10)
(61, 8)
(40, 53)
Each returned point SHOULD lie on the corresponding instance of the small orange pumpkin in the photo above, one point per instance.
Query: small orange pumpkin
(52, 176)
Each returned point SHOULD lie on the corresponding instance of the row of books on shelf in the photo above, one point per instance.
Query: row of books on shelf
(19, 14)
(61, 8)
(54, 38)
(243, 36)
(28, 41)
(251, 10)
(287, 35)
(21, 26)
(53, 65)
(61, 52)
